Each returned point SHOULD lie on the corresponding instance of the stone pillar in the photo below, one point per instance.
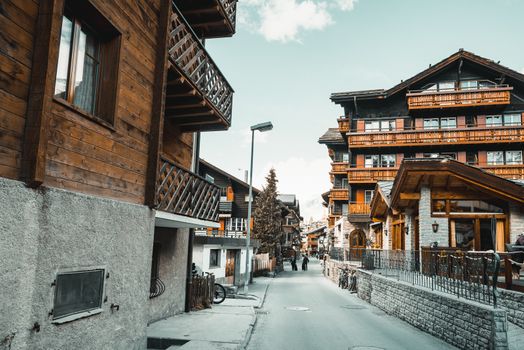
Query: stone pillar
(516, 222)
(426, 234)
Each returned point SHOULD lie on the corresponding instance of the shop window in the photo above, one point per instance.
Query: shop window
(77, 292)
(87, 69)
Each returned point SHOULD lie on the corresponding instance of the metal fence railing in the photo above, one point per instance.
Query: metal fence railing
(469, 275)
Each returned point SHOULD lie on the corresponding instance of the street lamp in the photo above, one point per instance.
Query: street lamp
(260, 127)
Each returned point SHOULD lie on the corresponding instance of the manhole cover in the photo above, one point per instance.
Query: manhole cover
(261, 312)
(365, 348)
(297, 308)
(354, 307)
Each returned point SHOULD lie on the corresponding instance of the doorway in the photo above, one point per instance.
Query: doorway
(230, 266)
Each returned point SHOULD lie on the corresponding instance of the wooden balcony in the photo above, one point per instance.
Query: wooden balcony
(370, 175)
(210, 18)
(179, 191)
(339, 167)
(356, 208)
(343, 125)
(339, 194)
(198, 96)
(424, 99)
(473, 135)
(509, 171)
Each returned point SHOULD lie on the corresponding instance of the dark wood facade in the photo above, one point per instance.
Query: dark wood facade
(157, 87)
(465, 107)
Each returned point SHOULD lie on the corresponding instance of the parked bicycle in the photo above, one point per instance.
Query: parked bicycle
(219, 294)
(343, 278)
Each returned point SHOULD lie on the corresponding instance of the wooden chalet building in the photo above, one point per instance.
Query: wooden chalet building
(222, 250)
(291, 219)
(101, 103)
(466, 107)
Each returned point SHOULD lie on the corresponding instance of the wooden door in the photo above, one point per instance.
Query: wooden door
(230, 266)
(398, 239)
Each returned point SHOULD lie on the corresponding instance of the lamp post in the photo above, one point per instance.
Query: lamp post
(266, 126)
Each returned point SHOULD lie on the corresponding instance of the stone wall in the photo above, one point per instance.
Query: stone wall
(516, 218)
(464, 324)
(426, 234)
(46, 231)
(513, 303)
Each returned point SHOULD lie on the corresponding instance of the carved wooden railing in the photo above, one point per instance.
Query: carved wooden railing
(343, 125)
(230, 8)
(339, 193)
(182, 192)
(188, 54)
(371, 174)
(339, 167)
(356, 208)
(459, 98)
(415, 137)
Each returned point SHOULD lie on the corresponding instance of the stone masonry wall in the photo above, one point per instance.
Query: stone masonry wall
(513, 303)
(464, 324)
(426, 234)
(516, 222)
(46, 231)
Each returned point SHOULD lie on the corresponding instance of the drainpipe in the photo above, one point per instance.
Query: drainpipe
(189, 270)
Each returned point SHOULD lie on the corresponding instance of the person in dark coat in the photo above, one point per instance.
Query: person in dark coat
(305, 260)
(294, 264)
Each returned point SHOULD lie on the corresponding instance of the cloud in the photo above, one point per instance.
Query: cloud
(285, 20)
(522, 71)
(307, 179)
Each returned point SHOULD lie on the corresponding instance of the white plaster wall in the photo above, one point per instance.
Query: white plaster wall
(48, 230)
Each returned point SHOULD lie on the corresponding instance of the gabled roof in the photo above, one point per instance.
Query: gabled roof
(228, 175)
(331, 136)
(381, 199)
(348, 96)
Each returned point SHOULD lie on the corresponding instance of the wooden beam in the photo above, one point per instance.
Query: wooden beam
(43, 74)
(409, 196)
(157, 120)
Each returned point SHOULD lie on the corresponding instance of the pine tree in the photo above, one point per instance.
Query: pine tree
(267, 216)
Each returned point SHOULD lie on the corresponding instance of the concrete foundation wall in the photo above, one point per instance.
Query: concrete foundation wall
(46, 231)
(172, 272)
(513, 303)
(464, 324)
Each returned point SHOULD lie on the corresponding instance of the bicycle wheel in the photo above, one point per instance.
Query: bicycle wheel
(220, 294)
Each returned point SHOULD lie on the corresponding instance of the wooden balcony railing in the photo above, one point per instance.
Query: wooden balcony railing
(339, 194)
(356, 208)
(339, 167)
(188, 54)
(497, 95)
(343, 125)
(508, 171)
(371, 174)
(230, 8)
(210, 18)
(182, 192)
(473, 135)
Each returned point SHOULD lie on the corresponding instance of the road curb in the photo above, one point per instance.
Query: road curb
(263, 299)
(249, 332)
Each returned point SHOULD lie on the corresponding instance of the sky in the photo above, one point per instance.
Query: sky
(288, 56)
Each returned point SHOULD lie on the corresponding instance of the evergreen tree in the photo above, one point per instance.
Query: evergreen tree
(267, 216)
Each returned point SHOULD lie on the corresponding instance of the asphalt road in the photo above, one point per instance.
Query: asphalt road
(304, 310)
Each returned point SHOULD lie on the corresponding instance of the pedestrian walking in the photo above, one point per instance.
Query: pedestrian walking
(294, 264)
(305, 260)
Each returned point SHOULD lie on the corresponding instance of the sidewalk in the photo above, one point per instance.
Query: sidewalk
(224, 326)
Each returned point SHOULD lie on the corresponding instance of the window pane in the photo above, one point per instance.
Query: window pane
(388, 160)
(448, 85)
(468, 84)
(513, 157)
(371, 161)
(372, 126)
(387, 125)
(448, 123)
(493, 120)
(496, 157)
(63, 58)
(431, 123)
(86, 79)
(512, 119)
(368, 195)
(77, 292)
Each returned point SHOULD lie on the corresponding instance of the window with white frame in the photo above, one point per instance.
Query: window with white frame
(513, 157)
(468, 84)
(371, 161)
(495, 157)
(236, 224)
(214, 257)
(345, 209)
(493, 120)
(380, 125)
(388, 160)
(368, 195)
(210, 178)
(372, 125)
(430, 123)
(512, 119)
(77, 292)
(448, 123)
